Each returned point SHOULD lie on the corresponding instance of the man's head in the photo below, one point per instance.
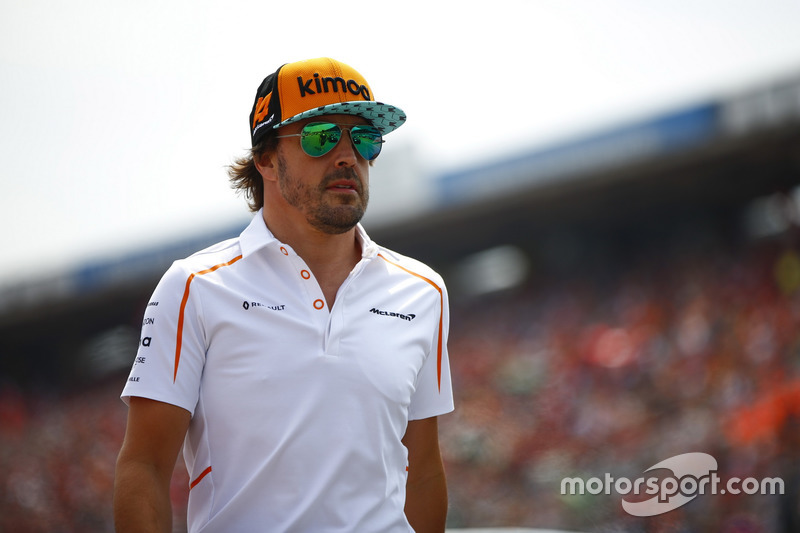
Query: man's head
(330, 192)
(304, 90)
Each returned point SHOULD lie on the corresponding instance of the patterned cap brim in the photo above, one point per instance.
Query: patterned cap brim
(386, 118)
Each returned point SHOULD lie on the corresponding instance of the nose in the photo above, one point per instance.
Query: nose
(344, 152)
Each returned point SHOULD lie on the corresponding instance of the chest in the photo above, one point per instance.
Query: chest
(279, 333)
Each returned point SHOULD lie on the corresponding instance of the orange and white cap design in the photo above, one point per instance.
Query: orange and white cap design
(315, 87)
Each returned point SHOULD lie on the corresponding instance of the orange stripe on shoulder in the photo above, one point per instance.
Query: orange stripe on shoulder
(179, 338)
(441, 317)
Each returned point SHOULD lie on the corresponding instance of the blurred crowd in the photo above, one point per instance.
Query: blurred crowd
(597, 374)
(573, 376)
(57, 455)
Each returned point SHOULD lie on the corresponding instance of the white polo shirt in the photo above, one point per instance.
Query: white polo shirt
(297, 410)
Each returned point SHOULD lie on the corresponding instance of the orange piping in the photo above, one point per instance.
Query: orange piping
(441, 318)
(203, 474)
(179, 340)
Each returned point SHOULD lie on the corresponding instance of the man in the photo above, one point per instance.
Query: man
(301, 365)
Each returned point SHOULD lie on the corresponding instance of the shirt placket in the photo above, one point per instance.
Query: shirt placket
(329, 322)
(336, 322)
(314, 299)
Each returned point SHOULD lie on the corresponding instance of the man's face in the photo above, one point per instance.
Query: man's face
(332, 190)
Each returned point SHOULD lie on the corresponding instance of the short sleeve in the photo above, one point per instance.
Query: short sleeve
(433, 395)
(171, 354)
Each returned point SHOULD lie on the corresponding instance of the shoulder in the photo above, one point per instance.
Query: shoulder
(411, 266)
(209, 259)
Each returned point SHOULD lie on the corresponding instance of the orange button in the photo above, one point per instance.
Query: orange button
(305, 273)
(319, 304)
(284, 251)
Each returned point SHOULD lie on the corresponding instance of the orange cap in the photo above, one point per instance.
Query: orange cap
(317, 87)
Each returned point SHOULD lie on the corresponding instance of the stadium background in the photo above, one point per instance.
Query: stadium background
(617, 299)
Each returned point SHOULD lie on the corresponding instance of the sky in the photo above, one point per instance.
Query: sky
(118, 118)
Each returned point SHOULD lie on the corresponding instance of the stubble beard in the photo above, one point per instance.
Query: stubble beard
(329, 218)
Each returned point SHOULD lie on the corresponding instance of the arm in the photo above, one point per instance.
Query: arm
(426, 488)
(145, 464)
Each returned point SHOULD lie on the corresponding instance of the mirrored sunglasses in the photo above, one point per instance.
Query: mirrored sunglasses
(319, 138)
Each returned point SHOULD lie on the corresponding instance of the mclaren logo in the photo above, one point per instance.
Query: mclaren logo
(408, 317)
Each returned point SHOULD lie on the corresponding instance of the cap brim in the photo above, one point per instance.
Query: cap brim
(386, 118)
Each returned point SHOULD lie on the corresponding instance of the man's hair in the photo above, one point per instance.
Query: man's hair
(244, 175)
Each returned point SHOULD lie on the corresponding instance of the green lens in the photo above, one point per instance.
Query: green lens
(367, 140)
(319, 138)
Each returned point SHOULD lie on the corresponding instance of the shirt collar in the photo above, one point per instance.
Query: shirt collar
(257, 235)
(368, 248)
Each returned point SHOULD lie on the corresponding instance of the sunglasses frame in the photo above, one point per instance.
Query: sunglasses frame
(303, 133)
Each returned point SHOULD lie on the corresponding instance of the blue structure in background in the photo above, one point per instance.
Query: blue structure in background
(663, 135)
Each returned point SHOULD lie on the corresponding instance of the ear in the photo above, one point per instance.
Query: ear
(266, 164)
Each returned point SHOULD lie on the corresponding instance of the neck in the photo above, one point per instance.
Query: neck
(330, 257)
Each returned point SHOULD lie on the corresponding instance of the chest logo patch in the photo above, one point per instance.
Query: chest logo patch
(408, 317)
(248, 305)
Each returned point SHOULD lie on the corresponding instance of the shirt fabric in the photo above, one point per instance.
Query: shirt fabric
(297, 411)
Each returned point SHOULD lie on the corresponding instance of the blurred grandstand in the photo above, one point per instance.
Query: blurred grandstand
(617, 299)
